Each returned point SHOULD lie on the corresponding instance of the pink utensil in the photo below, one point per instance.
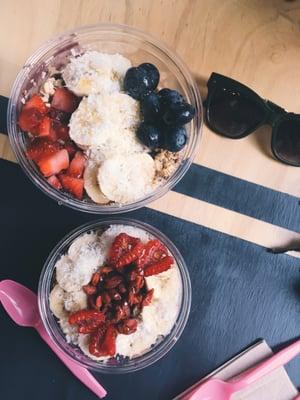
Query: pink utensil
(216, 389)
(21, 305)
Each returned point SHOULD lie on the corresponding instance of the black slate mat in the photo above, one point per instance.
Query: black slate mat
(240, 293)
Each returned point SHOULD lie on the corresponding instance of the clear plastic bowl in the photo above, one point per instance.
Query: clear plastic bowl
(113, 365)
(139, 47)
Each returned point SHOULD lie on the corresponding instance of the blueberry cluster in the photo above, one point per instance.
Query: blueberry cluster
(164, 111)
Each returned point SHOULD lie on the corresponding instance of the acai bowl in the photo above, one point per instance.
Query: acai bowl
(115, 295)
(104, 119)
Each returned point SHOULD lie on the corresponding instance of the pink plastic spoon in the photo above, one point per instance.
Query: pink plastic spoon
(21, 305)
(216, 389)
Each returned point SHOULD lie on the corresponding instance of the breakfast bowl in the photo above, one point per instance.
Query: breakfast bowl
(82, 268)
(38, 77)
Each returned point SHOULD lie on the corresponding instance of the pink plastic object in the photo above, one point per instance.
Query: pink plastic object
(216, 389)
(21, 305)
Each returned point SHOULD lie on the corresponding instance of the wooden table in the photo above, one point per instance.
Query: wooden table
(254, 41)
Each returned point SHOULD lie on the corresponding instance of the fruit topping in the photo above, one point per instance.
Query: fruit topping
(168, 97)
(160, 266)
(64, 100)
(29, 120)
(70, 147)
(121, 245)
(41, 147)
(77, 165)
(150, 135)
(151, 74)
(36, 102)
(175, 138)
(150, 107)
(72, 185)
(135, 83)
(179, 114)
(103, 342)
(116, 295)
(128, 326)
(54, 181)
(54, 163)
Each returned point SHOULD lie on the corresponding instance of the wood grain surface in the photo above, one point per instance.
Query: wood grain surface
(254, 41)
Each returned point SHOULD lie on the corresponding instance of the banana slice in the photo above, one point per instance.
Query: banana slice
(57, 302)
(125, 179)
(91, 184)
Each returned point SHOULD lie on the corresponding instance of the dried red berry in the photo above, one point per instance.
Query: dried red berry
(113, 282)
(122, 311)
(95, 278)
(163, 265)
(98, 302)
(122, 289)
(106, 270)
(148, 298)
(114, 295)
(89, 289)
(128, 326)
(105, 298)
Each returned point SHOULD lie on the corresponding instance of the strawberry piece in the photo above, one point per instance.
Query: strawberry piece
(121, 245)
(64, 100)
(72, 185)
(128, 326)
(30, 119)
(37, 103)
(54, 163)
(130, 256)
(41, 147)
(82, 316)
(77, 165)
(54, 181)
(45, 129)
(104, 344)
(59, 116)
(71, 148)
(160, 266)
(154, 251)
(148, 298)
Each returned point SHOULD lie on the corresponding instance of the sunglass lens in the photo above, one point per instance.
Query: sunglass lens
(286, 141)
(233, 114)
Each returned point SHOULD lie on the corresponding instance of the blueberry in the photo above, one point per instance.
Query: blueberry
(169, 96)
(136, 82)
(150, 135)
(175, 138)
(150, 107)
(152, 74)
(179, 114)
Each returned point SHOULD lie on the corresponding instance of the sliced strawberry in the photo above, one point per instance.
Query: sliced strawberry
(77, 165)
(37, 103)
(64, 100)
(54, 181)
(121, 245)
(160, 266)
(45, 129)
(30, 119)
(72, 185)
(54, 163)
(60, 131)
(130, 256)
(71, 148)
(41, 147)
(104, 345)
(153, 252)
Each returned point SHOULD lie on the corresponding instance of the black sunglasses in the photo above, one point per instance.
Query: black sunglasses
(234, 110)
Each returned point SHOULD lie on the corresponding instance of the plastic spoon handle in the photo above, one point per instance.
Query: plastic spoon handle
(80, 372)
(274, 362)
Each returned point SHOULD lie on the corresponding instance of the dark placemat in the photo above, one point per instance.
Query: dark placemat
(240, 293)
